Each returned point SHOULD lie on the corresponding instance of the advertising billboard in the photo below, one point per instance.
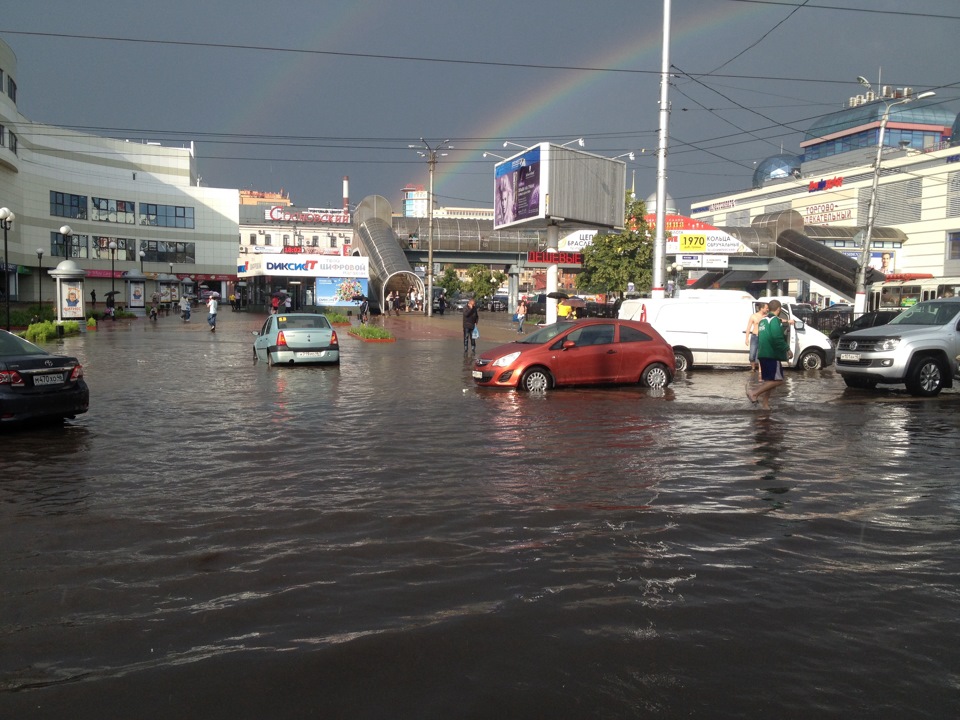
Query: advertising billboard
(517, 188)
(550, 184)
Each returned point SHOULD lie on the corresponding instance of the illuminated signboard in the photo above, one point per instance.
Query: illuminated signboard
(544, 258)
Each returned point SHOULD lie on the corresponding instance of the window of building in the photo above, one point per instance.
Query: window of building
(12, 89)
(115, 211)
(126, 248)
(3, 136)
(268, 239)
(953, 246)
(253, 238)
(160, 251)
(315, 241)
(173, 216)
(77, 247)
(67, 205)
(12, 141)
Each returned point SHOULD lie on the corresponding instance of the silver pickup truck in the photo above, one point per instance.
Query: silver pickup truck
(919, 348)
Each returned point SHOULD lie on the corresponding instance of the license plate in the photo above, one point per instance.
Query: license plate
(477, 374)
(48, 379)
(310, 354)
(850, 357)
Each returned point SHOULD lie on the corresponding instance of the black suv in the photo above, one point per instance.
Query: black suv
(867, 320)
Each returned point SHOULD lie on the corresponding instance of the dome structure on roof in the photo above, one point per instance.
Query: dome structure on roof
(775, 167)
(921, 112)
(651, 204)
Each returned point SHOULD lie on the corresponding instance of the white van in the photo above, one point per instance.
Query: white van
(706, 327)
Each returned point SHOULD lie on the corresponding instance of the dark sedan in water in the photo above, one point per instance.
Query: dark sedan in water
(37, 385)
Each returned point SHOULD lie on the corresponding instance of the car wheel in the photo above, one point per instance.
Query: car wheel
(536, 380)
(925, 377)
(682, 359)
(270, 361)
(656, 376)
(810, 360)
(255, 358)
(863, 383)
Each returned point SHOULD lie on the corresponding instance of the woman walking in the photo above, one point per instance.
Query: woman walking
(521, 315)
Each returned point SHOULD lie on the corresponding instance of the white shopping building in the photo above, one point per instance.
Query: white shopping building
(826, 189)
(135, 208)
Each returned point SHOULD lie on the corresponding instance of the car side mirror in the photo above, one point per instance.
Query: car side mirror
(567, 344)
(799, 324)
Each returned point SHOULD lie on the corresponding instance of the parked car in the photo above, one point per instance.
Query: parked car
(918, 348)
(296, 338)
(583, 352)
(867, 320)
(497, 303)
(37, 385)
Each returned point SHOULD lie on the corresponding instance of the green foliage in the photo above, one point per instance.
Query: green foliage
(483, 282)
(43, 331)
(612, 261)
(371, 332)
(91, 322)
(336, 317)
(450, 282)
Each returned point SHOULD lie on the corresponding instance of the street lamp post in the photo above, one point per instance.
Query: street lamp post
(142, 256)
(431, 156)
(860, 302)
(113, 258)
(6, 222)
(39, 279)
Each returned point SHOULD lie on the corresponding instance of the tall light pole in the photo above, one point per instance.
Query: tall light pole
(113, 258)
(431, 156)
(142, 256)
(39, 278)
(6, 222)
(860, 302)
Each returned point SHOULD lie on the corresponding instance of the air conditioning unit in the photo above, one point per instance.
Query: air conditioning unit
(870, 96)
(907, 91)
(852, 102)
(887, 91)
(260, 232)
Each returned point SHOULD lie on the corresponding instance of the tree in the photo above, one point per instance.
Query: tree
(612, 261)
(483, 281)
(450, 281)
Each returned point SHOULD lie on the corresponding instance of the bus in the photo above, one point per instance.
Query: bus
(903, 290)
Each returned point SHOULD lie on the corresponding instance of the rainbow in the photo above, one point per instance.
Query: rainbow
(554, 97)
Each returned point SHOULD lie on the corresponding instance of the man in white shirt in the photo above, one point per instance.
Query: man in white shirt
(212, 310)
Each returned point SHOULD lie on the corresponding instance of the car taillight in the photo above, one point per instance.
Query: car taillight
(11, 377)
(333, 338)
(281, 340)
(77, 372)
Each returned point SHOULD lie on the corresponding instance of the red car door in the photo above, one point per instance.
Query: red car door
(593, 359)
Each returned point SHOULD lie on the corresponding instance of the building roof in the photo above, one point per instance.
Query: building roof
(920, 112)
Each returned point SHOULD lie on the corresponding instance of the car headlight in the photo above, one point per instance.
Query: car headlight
(888, 344)
(506, 360)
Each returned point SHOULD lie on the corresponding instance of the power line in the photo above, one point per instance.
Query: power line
(805, 6)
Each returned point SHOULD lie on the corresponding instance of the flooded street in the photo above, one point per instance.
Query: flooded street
(220, 539)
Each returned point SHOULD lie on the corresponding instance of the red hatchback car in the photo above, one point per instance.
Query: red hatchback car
(594, 351)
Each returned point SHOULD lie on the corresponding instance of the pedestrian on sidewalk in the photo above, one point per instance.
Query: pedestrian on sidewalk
(471, 316)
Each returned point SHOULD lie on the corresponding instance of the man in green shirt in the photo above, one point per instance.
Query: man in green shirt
(772, 349)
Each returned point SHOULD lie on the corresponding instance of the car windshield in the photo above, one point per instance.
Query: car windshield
(11, 345)
(546, 333)
(928, 313)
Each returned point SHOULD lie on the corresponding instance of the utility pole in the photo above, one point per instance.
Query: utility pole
(431, 155)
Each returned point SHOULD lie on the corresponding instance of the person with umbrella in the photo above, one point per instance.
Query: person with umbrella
(212, 312)
(185, 308)
(111, 304)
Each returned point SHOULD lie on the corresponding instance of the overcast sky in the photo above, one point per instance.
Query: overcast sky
(294, 95)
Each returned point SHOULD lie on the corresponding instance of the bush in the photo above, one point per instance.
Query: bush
(41, 332)
(335, 317)
(371, 332)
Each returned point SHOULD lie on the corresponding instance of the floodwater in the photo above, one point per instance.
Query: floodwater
(219, 539)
